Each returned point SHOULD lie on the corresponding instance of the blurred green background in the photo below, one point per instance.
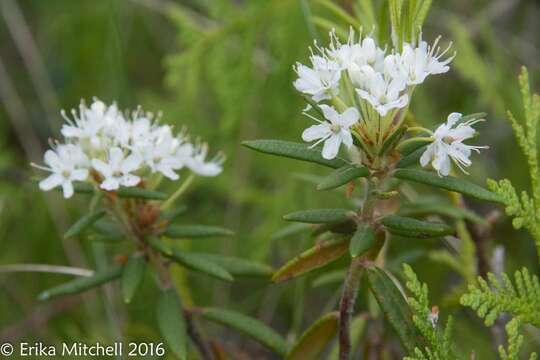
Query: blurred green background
(223, 69)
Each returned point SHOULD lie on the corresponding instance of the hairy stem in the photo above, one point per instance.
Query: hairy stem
(346, 306)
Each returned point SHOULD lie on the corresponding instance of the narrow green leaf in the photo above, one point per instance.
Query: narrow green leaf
(80, 188)
(238, 266)
(290, 230)
(340, 13)
(314, 258)
(247, 325)
(408, 146)
(201, 264)
(329, 278)
(391, 141)
(293, 150)
(449, 183)
(394, 307)
(440, 208)
(319, 216)
(195, 231)
(362, 240)
(132, 276)
(411, 159)
(171, 322)
(313, 341)
(81, 284)
(138, 193)
(342, 176)
(158, 244)
(83, 223)
(174, 213)
(408, 226)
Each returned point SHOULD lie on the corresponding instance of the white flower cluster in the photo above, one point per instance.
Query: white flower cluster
(382, 80)
(119, 149)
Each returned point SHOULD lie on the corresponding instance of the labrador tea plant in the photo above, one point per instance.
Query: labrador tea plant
(358, 93)
(120, 159)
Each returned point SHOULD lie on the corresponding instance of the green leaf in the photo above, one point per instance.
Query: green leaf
(362, 240)
(394, 307)
(83, 223)
(138, 193)
(313, 341)
(132, 276)
(81, 284)
(293, 150)
(80, 188)
(342, 176)
(316, 257)
(449, 183)
(391, 141)
(425, 208)
(415, 228)
(328, 278)
(238, 266)
(159, 245)
(174, 213)
(409, 146)
(195, 231)
(196, 262)
(171, 322)
(247, 325)
(319, 216)
(412, 159)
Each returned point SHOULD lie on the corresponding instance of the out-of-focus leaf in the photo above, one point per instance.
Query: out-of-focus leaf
(132, 276)
(83, 223)
(238, 266)
(174, 213)
(313, 341)
(293, 150)
(340, 13)
(328, 278)
(342, 176)
(362, 240)
(172, 323)
(82, 284)
(449, 183)
(391, 141)
(394, 307)
(316, 257)
(448, 210)
(139, 193)
(290, 230)
(319, 216)
(412, 159)
(196, 231)
(408, 147)
(415, 228)
(247, 325)
(159, 245)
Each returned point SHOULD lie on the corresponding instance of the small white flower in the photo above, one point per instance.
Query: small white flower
(333, 132)
(416, 64)
(198, 165)
(67, 164)
(382, 91)
(320, 82)
(448, 145)
(353, 55)
(160, 152)
(117, 171)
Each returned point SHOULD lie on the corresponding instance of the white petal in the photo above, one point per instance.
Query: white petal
(453, 118)
(115, 157)
(110, 184)
(315, 132)
(331, 147)
(330, 113)
(102, 167)
(52, 159)
(427, 155)
(131, 163)
(349, 117)
(51, 182)
(130, 180)
(79, 174)
(346, 138)
(67, 188)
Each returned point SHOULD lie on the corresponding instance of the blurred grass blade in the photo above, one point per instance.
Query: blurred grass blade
(290, 230)
(171, 322)
(362, 240)
(328, 26)
(401, 225)
(449, 183)
(247, 325)
(314, 258)
(394, 306)
(340, 13)
(328, 278)
(83, 223)
(238, 266)
(82, 284)
(195, 231)
(138, 193)
(292, 150)
(313, 341)
(201, 264)
(319, 216)
(132, 276)
(342, 176)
